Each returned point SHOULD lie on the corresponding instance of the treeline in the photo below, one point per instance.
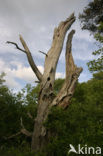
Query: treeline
(81, 123)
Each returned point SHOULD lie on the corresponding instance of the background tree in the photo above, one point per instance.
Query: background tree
(13, 108)
(92, 20)
(10, 111)
(81, 122)
(47, 99)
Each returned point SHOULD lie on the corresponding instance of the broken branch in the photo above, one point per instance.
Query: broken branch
(23, 130)
(12, 136)
(43, 53)
(30, 59)
(37, 81)
(70, 66)
(29, 56)
(72, 74)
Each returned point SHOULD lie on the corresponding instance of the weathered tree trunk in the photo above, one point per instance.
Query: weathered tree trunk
(46, 97)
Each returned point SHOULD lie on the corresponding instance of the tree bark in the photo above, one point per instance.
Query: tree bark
(46, 98)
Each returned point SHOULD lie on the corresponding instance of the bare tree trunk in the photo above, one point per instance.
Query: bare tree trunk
(46, 97)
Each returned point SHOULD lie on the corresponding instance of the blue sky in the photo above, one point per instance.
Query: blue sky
(35, 20)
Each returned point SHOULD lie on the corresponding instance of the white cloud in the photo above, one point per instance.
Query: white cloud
(10, 80)
(82, 34)
(60, 75)
(12, 83)
(26, 73)
(20, 72)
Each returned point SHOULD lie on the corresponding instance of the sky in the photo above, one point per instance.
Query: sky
(35, 20)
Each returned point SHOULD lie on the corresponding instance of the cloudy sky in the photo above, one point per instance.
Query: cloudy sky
(35, 20)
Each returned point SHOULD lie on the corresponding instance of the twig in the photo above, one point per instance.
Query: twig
(37, 81)
(29, 56)
(16, 46)
(43, 53)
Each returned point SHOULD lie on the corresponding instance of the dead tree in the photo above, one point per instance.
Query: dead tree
(46, 98)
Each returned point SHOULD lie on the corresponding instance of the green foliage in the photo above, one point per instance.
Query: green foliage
(81, 123)
(8, 105)
(98, 76)
(57, 85)
(12, 108)
(97, 64)
(92, 16)
(92, 20)
(2, 78)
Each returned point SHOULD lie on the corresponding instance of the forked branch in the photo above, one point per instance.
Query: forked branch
(29, 56)
(72, 74)
(22, 131)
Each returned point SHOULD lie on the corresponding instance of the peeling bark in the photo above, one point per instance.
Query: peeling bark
(46, 97)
